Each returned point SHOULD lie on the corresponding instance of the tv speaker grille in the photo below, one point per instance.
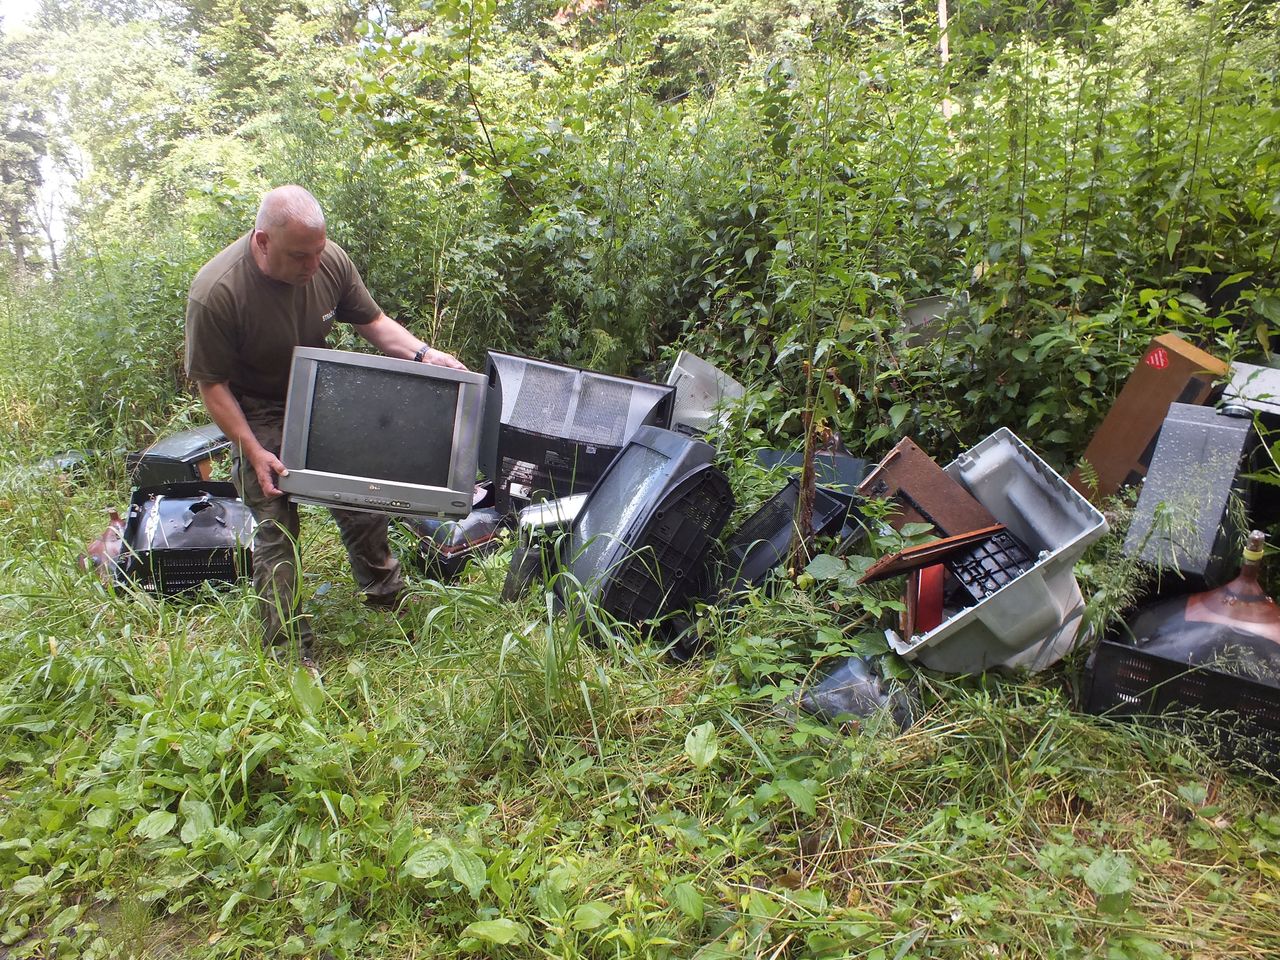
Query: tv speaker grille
(542, 402)
(601, 416)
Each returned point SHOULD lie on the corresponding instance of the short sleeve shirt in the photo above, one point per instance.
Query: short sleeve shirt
(242, 326)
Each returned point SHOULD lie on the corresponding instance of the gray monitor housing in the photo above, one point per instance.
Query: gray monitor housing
(375, 433)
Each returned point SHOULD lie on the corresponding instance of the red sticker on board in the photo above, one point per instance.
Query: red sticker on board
(1158, 358)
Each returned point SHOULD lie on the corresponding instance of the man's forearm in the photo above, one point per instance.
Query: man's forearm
(224, 410)
(395, 341)
(390, 337)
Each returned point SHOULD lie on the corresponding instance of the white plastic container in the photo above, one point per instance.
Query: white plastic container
(1034, 620)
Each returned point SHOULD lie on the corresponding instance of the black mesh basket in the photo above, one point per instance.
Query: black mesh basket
(178, 536)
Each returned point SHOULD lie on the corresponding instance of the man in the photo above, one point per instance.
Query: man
(285, 284)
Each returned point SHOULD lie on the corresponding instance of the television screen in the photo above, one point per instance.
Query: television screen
(376, 433)
(387, 403)
(556, 428)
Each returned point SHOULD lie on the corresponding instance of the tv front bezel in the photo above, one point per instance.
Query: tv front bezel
(375, 494)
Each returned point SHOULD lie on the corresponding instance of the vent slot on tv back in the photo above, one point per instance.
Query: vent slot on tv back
(541, 399)
(601, 415)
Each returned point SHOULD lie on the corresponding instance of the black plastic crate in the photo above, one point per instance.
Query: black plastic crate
(990, 565)
(178, 536)
(1235, 718)
(669, 565)
(764, 538)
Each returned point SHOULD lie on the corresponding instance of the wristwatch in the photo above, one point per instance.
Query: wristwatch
(422, 352)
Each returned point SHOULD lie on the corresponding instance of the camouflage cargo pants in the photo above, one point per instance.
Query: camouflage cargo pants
(276, 567)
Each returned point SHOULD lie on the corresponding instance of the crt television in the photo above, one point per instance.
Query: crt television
(703, 391)
(183, 457)
(365, 432)
(554, 429)
(639, 546)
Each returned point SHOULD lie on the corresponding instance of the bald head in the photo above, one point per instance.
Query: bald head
(289, 206)
(288, 239)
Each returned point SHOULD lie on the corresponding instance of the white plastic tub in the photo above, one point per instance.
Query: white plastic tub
(1034, 620)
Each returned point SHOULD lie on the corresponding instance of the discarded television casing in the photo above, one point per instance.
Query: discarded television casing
(702, 391)
(552, 430)
(182, 457)
(178, 536)
(837, 471)
(763, 540)
(1183, 521)
(1033, 620)
(1257, 389)
(1170, 371)
(445, 546)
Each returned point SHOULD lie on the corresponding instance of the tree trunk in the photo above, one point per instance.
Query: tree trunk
(944, 53)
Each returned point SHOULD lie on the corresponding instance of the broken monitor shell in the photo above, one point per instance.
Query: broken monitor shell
(552, 430)
(703, 391)
(183, 457)
(1184, 522)
(1255, 388)
(1033, 620)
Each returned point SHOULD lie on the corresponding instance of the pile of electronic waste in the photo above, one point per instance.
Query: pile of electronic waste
(182, 529)
(612, 496)
(1204, 651)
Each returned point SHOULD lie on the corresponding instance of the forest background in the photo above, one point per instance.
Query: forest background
(768, 183)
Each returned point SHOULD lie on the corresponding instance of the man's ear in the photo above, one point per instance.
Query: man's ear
(258, 240)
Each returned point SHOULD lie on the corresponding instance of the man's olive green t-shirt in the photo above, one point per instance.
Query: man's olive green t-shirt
(242, 326)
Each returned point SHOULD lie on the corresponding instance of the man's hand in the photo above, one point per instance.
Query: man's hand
(267, 466)
(442, 359)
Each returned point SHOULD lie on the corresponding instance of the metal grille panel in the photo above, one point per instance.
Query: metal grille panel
(601, 416)
(542, 402)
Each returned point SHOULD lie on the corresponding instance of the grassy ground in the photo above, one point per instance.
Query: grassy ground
(478, 779)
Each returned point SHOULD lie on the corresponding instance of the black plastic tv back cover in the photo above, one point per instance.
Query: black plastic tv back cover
(552, 429)
(180, 535)
(640, 544)
(182, 457)
(762, 542)
(669, 565)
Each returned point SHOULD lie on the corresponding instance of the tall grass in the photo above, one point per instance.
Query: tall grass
(483, 772)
